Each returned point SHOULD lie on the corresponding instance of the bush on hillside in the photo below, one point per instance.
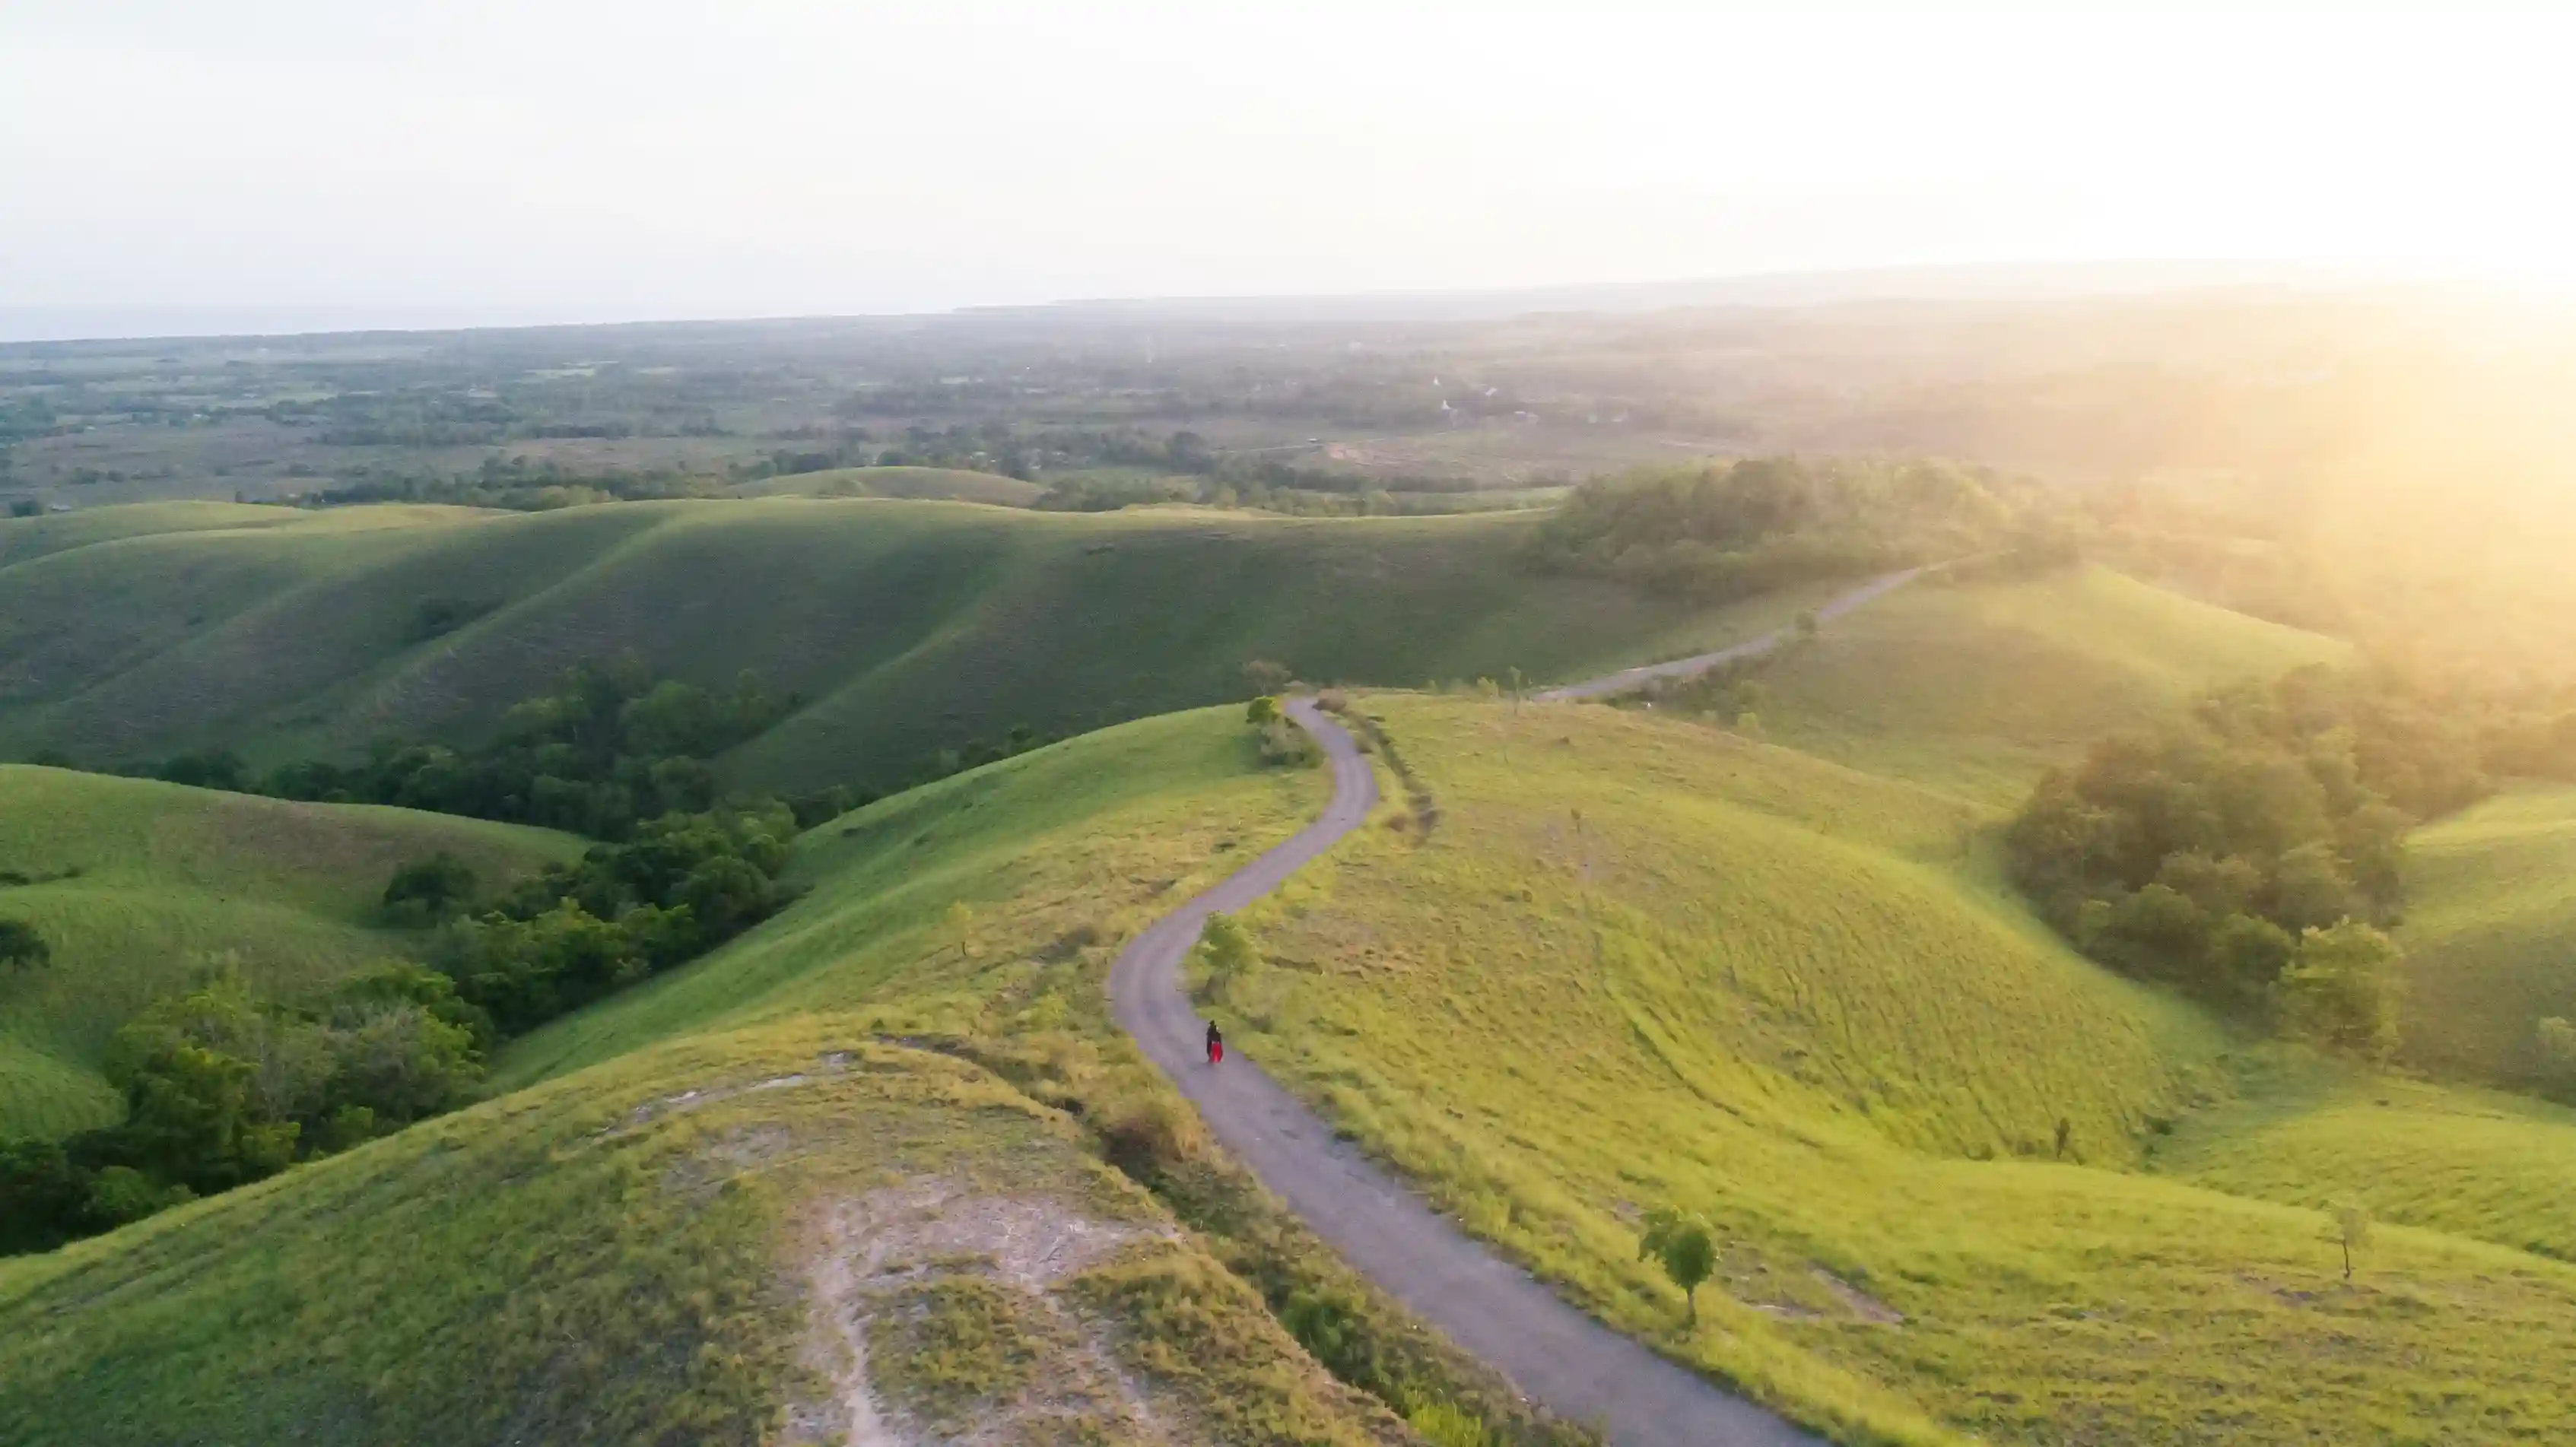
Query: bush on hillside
(21, 947)
(439, 887)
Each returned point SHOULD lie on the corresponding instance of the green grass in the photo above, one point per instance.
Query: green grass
(1762, 986)
(1100, 832)
(2491, 932)
(948, 484)
(673, 1248)
(144, 884)
(22, 539)
(1978, 688)
(909, 626)
(2493, 1167)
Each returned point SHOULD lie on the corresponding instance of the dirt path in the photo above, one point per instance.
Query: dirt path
(1571, 1364)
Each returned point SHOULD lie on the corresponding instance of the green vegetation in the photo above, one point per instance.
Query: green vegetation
(723, 1121)
(139, 887)
(1719, 532)
(1642, 962)
(1978, 688)
(938, 484)
(222, 1089)
(604, 750)
(703, 1219)
(909, 627)
(2203, 854)
(2492, 908)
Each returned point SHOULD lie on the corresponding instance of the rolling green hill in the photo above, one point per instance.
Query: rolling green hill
(2491, 932)
(1640, 963)
(139, 885)
(1977, 687)
(935, 484)
(909, 626)
(796, 1234)
(721, 1181)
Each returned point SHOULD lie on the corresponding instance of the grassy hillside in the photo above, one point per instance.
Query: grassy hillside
(936, 484)
(1637, 963)
(790, 1235)
(1976, 688)
(142, 884)
(2491, 932)
(25, 538)
(911, 626)
(762, 1212)
(2492, 1167)
(1078, 842)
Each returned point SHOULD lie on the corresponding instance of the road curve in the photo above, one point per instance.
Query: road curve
(1566, 1361)
(1629, 678)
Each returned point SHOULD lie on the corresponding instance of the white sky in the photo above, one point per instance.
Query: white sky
(660, 159)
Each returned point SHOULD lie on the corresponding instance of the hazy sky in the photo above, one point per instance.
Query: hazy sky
(529, 160)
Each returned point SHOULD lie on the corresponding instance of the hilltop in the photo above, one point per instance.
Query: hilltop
(1975, 687)
(137, 886)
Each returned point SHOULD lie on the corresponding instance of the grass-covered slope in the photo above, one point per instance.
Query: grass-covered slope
(948, 484)
(797, 1234)
(139, 885)
(911, 626)
(2491, 932)
(24, 538)
(2478, 1164)
(1753, 984)
(1978, 687)
(1054, 854)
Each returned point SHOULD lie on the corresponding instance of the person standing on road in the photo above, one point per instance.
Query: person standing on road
(1216, 1044)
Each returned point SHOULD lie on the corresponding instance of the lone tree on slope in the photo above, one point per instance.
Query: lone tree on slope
(1686, 1251)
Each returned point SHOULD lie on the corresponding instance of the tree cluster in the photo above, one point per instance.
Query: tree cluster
(607, 748)
(2247, 852)
(678, 887)
(223, 1088)
(1721, 531)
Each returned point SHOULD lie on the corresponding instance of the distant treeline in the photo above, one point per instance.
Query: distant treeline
(2249, 852)
(1729, 530)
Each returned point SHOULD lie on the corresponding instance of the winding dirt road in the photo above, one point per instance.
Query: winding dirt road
(1569, 1363)
(1565, 1360)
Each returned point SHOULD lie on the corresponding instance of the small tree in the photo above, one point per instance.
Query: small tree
(1683, 1246)
(957, 922)
(2352, 1228)
(1266, 676)
(1227, 948)
(21, 948)
(2340, 991)
(1262, 711)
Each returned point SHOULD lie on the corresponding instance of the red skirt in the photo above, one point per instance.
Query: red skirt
(1216, 1053)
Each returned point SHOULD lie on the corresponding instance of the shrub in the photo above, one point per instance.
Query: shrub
(21, 947)
(1150, 1135)
(437, 888)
